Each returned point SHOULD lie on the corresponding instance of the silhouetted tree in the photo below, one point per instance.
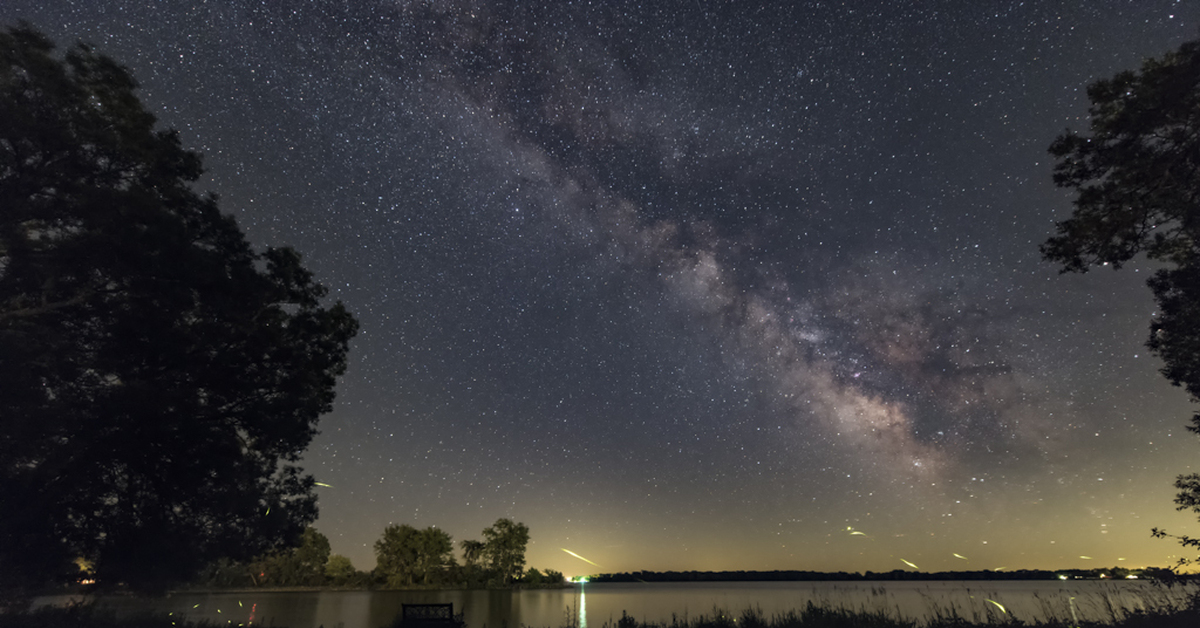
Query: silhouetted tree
(504, 549)
(226, 573)
(160, 377)
(532, 577)
(551, 576)
(436, 553)
(472, 574)
(1137, 182)
(472, 551)
(339, 571)
(405, 554)
(303, 565)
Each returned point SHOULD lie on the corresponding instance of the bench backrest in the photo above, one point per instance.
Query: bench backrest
(418, 614)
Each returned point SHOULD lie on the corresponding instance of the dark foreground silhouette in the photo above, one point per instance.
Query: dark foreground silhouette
(811, 616)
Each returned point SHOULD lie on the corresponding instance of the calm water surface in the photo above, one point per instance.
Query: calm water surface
(594, 605)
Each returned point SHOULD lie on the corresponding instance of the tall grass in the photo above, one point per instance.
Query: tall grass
(1156, 608)
(89, 616)
(814, 616)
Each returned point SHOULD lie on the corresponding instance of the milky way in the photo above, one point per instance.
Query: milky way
(696, 285)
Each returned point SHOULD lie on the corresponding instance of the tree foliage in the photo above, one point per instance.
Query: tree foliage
(535, 578)
(472, 551)
(504, 548)
(552, 577)
(303, 565)
(309, 564)
(161, 378)
(1137, 173)
(1137, 181)
(339, 571)
(532, 577)
(406, 556)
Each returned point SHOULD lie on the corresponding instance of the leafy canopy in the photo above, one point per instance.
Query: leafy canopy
(160, 377)
(504, 548)
(1137, 174)
(339, 570)
(303, 565)
(405, 555)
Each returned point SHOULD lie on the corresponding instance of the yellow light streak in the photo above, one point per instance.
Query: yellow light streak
(853, 532)
(910, 564)
(578, 556)
(999, 606)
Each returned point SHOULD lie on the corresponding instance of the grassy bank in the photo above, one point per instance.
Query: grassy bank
(814, 616)
(87, 616)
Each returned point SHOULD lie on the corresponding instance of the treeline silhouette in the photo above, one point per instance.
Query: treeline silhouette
(1116, 573)
(406, 557)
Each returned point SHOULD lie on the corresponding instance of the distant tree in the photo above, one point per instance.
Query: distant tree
(339, 570)
(160, 377)
(504, 549)
(406, 555)
(396, 555)
(472, 551)
(472, 574)
(303, 565)
(1137, 182)
(436, 554)
(312, 555)
(532, 577)
(551, 576)
(225, 573)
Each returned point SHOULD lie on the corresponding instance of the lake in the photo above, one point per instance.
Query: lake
(594, 605)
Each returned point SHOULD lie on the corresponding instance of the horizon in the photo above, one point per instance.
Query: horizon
(697, 287)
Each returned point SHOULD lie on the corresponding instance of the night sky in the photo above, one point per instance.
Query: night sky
(693, 285)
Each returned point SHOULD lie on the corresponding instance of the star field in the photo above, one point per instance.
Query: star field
(692, 285)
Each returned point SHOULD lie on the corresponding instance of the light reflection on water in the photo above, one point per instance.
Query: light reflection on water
(660, 602)
(582, 606)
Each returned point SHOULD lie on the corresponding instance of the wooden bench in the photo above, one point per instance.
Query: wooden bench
(427, 616)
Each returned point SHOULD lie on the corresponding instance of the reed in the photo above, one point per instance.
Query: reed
(1157, 608)
(89, 616)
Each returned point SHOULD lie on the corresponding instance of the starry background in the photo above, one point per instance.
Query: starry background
(692, 285)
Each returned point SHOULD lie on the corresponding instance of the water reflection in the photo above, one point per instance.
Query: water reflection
(582, 606)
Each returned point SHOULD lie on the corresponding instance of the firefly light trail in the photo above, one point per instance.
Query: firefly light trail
(579, 557)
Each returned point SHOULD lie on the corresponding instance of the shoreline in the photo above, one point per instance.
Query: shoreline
(928, 578)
